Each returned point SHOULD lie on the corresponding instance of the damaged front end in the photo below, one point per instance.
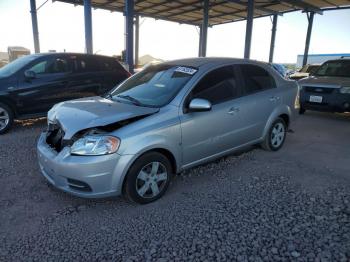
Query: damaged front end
(55, 135)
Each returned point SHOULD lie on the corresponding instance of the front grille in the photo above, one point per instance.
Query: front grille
(78, 185)
(319, 90)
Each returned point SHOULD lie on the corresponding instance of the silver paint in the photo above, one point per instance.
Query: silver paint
(191, 138)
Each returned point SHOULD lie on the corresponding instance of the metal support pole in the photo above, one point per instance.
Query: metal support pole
(129, 34)
(205, 28)
(88, 26)
(273, 37)
(137, 39)
(249, 28)
(200, 41)
(310, 18)
(35, 26)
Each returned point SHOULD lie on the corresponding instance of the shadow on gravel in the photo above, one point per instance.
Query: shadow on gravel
(330, 116)
(21, 125)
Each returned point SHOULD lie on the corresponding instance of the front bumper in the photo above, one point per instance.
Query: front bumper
(333, 102)
(83, 176)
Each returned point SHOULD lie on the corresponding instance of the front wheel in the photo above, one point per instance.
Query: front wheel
(6, 118)
(276, 135)
(148, 178)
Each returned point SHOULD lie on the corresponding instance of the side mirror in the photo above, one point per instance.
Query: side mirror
(199, 105)
(29, 74)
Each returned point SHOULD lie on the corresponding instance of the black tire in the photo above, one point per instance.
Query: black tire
(302, 110)
(5, 111)
(268, 143)
(133, 183)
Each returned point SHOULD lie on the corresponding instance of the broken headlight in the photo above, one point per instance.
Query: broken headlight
(95, 145)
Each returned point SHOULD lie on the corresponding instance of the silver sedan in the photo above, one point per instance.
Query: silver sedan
(161, 121)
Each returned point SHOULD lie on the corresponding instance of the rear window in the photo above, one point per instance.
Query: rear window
(256, 79)
(335, 68)
(110, 65)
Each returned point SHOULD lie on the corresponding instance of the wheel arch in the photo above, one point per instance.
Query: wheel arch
(285, 118)
(283, 112)
(162, 150)
(10, 104)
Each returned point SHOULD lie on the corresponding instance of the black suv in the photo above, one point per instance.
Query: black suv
(31, 85)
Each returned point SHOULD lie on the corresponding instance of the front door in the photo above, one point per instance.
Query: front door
(205, 134)
(48, 87)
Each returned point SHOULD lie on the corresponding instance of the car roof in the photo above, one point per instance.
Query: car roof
(67, 54)
(200, 61)
(339, 60)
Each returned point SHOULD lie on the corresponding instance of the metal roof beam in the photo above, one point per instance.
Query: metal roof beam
(261, 8)
(239, 11)
(195, 8)
(303, 5)
(181, 6)
(151, 6)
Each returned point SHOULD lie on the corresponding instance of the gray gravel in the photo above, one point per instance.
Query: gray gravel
(254, 206)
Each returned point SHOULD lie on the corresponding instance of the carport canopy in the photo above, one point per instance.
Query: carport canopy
(202, 13)
(221, 11)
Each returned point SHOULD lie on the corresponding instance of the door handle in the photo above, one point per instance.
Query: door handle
(233, 110)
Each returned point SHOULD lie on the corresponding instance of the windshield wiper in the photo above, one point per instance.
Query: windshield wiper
(109, 96)
(130, 98)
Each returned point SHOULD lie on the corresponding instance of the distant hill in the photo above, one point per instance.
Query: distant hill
(143, 60)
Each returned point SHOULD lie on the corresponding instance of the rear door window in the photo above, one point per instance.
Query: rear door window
(106, 65)
(217, 86)
(110, 65)
(256, 79)
(87, 64)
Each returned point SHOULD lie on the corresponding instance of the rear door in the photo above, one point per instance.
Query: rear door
(112, 73)
(50, 86)
(260, 98)
(86, 78)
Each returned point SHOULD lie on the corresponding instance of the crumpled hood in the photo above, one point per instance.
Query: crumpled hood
(326, 81)
(79, 114)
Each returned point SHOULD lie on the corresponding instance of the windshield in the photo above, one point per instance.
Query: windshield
(335, 68)
(312, 69)
(280, 69)
(154, 86)
(15, 65)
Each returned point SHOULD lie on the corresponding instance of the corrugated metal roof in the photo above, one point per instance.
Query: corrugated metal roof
(220, 12)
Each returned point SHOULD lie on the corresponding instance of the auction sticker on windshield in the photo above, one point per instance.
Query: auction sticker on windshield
(186, 70)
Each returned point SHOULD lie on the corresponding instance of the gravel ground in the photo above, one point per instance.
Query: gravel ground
(254, 206)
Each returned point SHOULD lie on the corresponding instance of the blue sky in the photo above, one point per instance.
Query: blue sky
(61, 26)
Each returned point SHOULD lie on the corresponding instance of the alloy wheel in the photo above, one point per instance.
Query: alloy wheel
(151, 180)
(277, 135)
(4, 118)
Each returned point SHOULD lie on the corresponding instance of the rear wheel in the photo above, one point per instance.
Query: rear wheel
(6, 118)
(148, 178)
(276, 135)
